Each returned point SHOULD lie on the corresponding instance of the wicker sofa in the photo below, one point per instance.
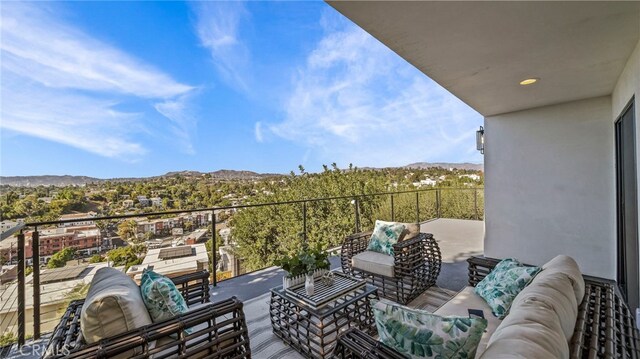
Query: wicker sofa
(604, 327)
(412, 270)
(215, 330)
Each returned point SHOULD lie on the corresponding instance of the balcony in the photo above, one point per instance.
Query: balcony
(558, 85)
(458, 239)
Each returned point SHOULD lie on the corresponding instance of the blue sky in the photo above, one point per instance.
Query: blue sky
(128, 89)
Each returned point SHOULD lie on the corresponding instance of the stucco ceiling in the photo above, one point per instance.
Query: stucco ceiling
(480, 51)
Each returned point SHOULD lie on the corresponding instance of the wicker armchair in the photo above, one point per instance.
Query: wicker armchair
(216, 330)
(605, 327)
(416, 266)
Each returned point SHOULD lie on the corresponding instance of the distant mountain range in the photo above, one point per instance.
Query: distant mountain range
(460, 166)
(66, 180)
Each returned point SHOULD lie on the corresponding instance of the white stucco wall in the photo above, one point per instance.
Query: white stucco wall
(627, 87)
(549, 185)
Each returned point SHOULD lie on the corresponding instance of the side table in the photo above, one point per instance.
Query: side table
(313, 331)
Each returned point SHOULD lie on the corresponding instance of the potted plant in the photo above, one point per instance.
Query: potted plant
(307, 264)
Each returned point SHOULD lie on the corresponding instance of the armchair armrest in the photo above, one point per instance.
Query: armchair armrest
(352, 245)
(356, 344)
(194, 287)
(414, 253)
(218, 328)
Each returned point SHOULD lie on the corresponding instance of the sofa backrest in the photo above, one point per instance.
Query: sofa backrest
(532, 330)
(543, 316)
(113, 306)
(569, 267)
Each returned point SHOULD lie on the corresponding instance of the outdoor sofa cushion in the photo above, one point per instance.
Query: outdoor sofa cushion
(569, 267)
(410, 229)
(460, 304)
(161, 297)
(374, 262)
(113, 306)
(421, 334)
(500, 287)
(555, 291)
(532, 330)
(542, 318)
(384, 236)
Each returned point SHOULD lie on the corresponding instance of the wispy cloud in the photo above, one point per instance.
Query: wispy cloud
(61, 84)
(92, 124)
(218, 26)
(183, 121)
(356, 101)
(258, 132)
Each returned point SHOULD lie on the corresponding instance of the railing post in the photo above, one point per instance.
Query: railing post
(417, 207)
(21, 296)
(475, 201)
(357, 211)
(438, 203)
(214, 250)
(304, 221)
(393, 214)
(35, 246)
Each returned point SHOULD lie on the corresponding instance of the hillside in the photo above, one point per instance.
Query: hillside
(461, 166)
(66, 180)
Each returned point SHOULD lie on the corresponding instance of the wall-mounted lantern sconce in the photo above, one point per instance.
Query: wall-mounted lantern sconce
(480, 139)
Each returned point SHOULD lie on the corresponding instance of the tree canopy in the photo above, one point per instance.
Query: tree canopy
(60, 258)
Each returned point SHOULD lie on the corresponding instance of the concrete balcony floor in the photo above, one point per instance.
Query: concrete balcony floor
(458, 240)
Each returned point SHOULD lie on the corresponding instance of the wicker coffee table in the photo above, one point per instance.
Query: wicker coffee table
(312, 325)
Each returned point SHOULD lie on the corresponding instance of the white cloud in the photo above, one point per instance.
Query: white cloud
(60, 84)
(91, 125)
(183, 121)
(356, 101)
(258, 132)
(217, 26)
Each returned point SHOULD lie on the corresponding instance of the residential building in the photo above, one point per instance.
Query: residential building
(85, 239)
(194, 237)
(144, 201)
(7, 225)
(9, 249)
(8, 273)
(172, 261)
(84, 219)
(156, 201)
(127, 203)
(425, 182)
(474, 177)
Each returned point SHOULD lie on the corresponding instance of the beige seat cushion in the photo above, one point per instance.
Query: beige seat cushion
(374, 262)
(410, 230)
(532, 330)
(560, 286)
(459, 306)
(113, 306)
(569, 267)
(554, 290)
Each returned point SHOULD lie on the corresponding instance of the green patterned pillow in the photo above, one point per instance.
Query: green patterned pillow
(500, 287)
(161, 297)
(424, 335)
(384, 236)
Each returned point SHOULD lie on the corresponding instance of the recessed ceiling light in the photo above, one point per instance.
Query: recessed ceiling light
(529, 81)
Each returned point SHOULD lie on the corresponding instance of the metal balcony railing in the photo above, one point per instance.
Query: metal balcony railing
(405, 206)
